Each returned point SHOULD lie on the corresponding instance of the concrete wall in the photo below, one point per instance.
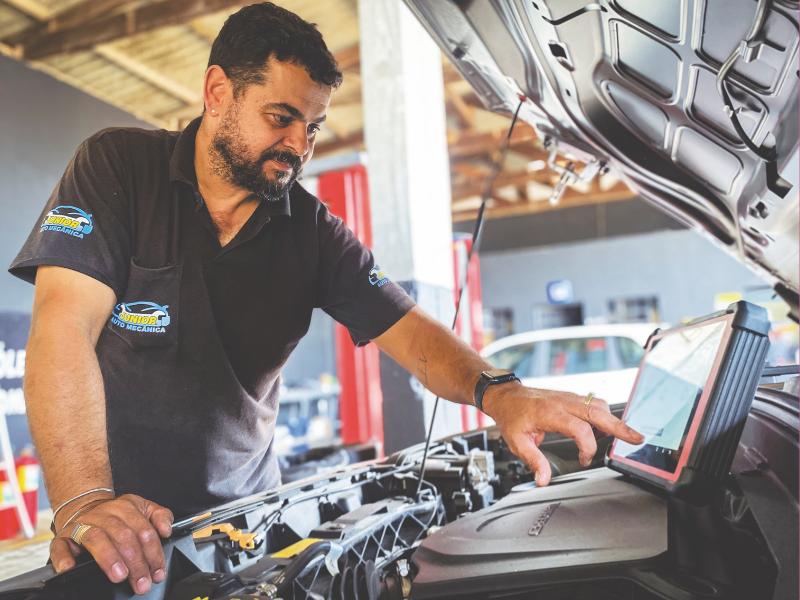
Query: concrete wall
(681, 268)
(42, 123)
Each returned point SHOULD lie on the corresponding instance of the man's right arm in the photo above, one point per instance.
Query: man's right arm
(66, 409)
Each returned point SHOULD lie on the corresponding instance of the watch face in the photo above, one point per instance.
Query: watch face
(495, 373)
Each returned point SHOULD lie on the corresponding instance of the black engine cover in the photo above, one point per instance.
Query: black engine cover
(535, 535)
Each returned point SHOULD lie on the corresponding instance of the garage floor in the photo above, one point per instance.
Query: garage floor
(21, 555)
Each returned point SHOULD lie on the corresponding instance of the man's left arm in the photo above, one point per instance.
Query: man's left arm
(448, 367)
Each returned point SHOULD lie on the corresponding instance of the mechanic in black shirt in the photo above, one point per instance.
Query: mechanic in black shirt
(174, 275)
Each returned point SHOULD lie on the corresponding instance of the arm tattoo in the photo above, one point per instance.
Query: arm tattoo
(423, 369)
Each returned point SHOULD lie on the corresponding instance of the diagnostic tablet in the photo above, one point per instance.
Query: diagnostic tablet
(691, 397)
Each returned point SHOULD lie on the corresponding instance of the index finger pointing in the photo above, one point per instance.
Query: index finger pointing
(608, 423)
(525, 447)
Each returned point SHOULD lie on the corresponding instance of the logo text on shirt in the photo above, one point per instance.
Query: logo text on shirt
(141, 316)
(68, 219)
(378, 277)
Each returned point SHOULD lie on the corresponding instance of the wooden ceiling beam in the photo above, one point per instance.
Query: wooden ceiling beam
(471, 143)
(75, 16)
(451, 74)
(476, 186)
(83, 13)
(349, 58)
(30, 8)
(470, 169)
(472, 99)
(463, 145)
(9, 51)
(571, 199)
(354, 140)
(473, 203)
(465, 114)
(530, 152)
(117, 25)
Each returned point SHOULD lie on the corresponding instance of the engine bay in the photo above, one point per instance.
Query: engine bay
(479, 527)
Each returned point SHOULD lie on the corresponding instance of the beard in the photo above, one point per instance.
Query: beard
(230, 160)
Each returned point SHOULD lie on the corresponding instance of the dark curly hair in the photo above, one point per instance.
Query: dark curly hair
(254, 34)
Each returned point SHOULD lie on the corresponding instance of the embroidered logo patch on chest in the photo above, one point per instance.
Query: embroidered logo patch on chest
(70, 220)
(378, 277)
(141, 316)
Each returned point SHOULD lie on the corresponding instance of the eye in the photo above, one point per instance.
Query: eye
(282, 120)
(313, 129)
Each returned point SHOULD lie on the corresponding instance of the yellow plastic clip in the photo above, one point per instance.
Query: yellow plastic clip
(246, 541)
(295, 548)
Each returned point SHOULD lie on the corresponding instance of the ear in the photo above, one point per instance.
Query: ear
(217, 90)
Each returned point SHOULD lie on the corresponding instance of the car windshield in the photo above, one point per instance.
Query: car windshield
(630, 353)
(578, 355)
(515, 358)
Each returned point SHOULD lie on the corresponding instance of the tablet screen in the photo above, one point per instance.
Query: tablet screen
(668, 393)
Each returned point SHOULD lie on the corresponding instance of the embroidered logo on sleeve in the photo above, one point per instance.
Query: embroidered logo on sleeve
(145, 317)
(68, 219)
(378, 277)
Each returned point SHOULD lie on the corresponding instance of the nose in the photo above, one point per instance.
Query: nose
(297, 139)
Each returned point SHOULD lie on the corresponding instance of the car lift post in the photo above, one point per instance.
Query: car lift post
(346, 194)
(469, 326)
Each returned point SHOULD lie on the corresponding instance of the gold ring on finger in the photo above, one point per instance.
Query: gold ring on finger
(588, 404)
(79, 532)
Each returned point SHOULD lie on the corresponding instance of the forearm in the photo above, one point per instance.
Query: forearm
(66, 411)
(441, 361)
(450, 368)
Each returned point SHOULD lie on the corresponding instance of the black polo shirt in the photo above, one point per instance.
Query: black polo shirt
(192, 352)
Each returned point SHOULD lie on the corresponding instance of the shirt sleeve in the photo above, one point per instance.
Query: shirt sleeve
(85, 225)
(352, 288)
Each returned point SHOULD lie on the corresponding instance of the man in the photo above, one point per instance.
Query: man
(174, 275)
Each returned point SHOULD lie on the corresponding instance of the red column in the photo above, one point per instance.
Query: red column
(361, 401)
(469, 325)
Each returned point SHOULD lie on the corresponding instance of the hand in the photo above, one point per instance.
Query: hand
(524, 415)
(124, 540)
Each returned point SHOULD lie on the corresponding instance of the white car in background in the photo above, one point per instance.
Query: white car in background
(602, 359)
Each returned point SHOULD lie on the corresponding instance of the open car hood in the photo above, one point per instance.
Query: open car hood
(632, 86)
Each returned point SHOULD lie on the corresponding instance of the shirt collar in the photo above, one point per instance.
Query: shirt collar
(181, 168)
(181, 163)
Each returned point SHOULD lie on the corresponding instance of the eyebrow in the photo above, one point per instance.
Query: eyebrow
(286, 107)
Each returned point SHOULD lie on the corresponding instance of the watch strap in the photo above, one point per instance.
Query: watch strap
(485, 381)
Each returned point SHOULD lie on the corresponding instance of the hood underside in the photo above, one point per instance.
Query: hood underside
(632, 86)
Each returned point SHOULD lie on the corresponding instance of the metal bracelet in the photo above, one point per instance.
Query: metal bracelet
(81, 495)
(86, 507)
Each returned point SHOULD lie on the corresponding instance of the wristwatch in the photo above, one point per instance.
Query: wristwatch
(491, 377)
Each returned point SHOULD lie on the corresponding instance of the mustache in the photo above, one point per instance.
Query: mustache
(283, 156)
